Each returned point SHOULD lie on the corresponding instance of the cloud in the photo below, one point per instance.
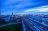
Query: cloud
(42, 9)
(38, 9)
(22, 5)
(28, 10)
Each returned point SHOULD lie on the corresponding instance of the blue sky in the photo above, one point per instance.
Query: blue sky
(18, 6)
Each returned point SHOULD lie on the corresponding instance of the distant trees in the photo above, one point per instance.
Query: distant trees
(2, 20)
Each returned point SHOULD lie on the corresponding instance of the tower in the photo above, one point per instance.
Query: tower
(12, 13)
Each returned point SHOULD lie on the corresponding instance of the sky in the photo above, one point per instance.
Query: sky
(23, 6)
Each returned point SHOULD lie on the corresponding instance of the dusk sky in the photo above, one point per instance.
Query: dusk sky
(22, 6)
